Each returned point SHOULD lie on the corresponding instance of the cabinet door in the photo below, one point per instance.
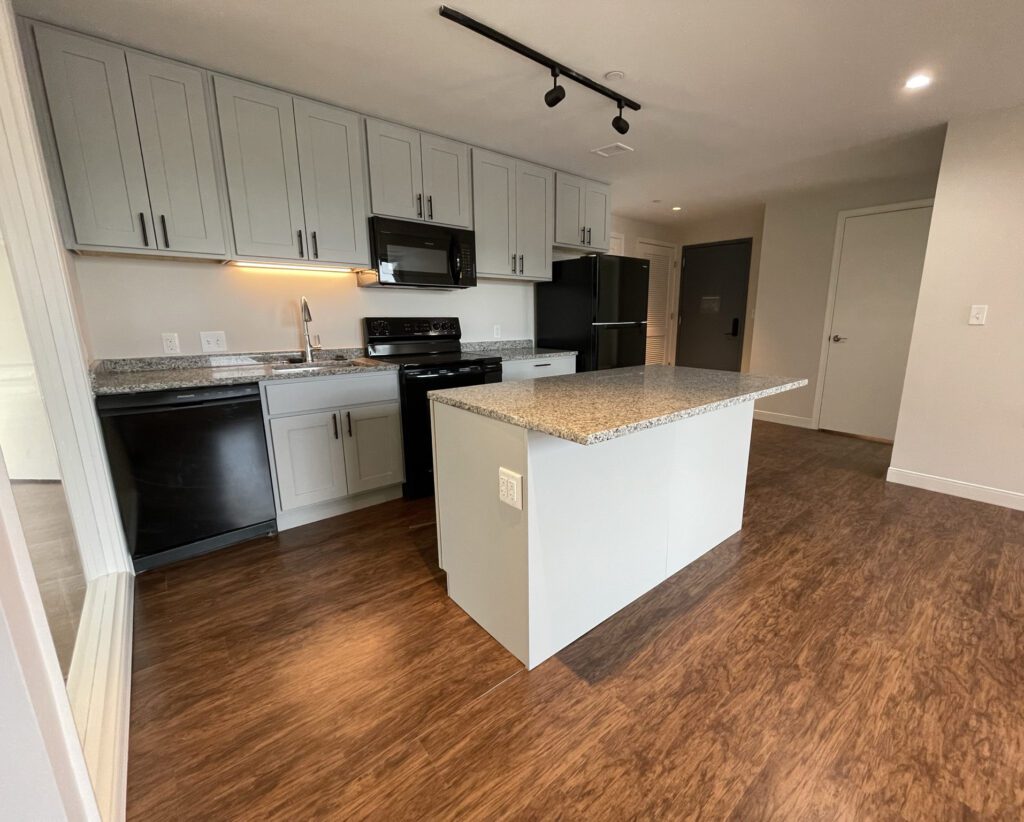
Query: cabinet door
(396, 170)
(494, 215)
(257, 127)
(309, 458)
(90, 101)
(373, 446)
(331, 165)
(570, 209)
(446, 188)
(177, 152)
(599, 216)
(535, 219)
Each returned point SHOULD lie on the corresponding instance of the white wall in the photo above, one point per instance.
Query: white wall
(792, 291)
(24, 430)
(633, 230)
(125, 304)
(736, 224)
(961, 426)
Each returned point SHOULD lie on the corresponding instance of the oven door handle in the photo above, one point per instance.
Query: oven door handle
(445, 374)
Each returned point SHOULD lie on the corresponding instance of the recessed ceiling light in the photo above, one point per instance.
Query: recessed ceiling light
(918, 81)
(677, 208)
(615, 75)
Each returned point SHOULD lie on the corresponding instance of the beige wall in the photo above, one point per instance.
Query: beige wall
(961, 415)
(633, 230)
(125, 304)
(793, 280)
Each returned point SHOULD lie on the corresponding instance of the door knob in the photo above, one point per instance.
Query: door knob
(837, 338)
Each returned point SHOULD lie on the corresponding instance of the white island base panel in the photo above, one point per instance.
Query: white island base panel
(600, 526)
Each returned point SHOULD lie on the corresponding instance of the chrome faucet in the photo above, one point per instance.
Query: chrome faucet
(311, 346)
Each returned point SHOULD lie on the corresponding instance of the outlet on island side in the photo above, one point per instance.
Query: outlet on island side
(213, 341)
(510, 488)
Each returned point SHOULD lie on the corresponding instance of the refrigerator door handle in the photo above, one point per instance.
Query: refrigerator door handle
(620, 324)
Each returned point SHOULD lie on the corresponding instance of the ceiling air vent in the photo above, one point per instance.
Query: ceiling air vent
(611, 149)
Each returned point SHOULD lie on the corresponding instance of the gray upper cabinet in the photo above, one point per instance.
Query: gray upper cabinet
(494, 213)
(418, 176)
(514, 217)
(177, 152)
(261, 158)
(535, 219)
(331, 166)
(582, 213)
(90, 103)
(446, 186)
(396, 170)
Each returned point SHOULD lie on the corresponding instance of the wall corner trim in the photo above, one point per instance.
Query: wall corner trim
(957, 488)
(785, 419)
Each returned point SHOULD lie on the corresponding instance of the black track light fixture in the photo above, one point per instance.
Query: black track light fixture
(619, 123)
(554, 95)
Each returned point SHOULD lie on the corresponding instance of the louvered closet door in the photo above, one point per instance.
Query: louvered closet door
(660, 257)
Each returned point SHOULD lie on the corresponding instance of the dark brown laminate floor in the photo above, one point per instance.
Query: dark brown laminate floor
(856, 652)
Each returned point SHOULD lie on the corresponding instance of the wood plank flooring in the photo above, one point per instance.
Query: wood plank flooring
(856, 652)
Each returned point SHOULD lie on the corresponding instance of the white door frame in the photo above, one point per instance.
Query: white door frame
(833, 284)
(672, 288)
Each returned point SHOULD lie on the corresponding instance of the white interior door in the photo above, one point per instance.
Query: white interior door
(660, 257)
(876, 296)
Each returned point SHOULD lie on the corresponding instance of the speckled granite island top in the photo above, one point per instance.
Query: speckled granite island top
(596, 406)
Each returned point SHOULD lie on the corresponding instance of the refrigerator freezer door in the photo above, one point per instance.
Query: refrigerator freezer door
(616, 346)
(621, 289)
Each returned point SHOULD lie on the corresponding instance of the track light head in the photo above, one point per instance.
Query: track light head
(619, 122)
(553, 96)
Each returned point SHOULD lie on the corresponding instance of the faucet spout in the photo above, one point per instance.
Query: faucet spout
(310, 345)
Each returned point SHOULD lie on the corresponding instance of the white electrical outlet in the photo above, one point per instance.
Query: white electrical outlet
(979, 313)
(510, 488)
(497, 332)
(213, 341)
(171, 343)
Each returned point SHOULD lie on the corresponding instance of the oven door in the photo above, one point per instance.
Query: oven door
(425, 256)
(416, 439)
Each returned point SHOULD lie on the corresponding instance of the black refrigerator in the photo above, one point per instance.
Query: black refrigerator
(596, 305)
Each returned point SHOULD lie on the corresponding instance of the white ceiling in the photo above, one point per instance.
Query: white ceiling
(740, 98)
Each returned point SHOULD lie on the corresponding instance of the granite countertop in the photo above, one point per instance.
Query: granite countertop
(596, 406)
(134, 375)
(524, 353)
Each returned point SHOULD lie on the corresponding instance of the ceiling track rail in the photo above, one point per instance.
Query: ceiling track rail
(532, 54)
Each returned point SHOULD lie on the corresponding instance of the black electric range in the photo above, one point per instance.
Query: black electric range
(428, 353)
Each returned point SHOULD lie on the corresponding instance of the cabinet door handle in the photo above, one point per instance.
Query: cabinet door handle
(334, 420)
(588, 237)
(163, 225)
(145, 231)
(542, 365)
(316, 246)
(430, 206)
(348, 416)
(302, 252)
(513, 263)
(583, 235)
(419, 205)
(520, 263)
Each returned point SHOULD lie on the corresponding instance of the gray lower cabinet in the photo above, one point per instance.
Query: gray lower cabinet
(257, 126)
(295, 175)
(417, 176)
(177, 152)
(373, 446)
(309, 459)
(135, 147)
(582, 212)
(90, 103)
(331, 169)
(513, 217)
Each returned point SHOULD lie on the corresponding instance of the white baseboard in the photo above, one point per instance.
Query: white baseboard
(323, 510)
(784, 419)
(99, 687)
(957, 488)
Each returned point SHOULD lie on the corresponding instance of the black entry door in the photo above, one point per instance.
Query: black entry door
(713, 305)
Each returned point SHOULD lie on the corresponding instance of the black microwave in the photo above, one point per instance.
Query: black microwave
(405, 254)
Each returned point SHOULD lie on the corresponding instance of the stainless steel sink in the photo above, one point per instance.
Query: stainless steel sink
(292, 367)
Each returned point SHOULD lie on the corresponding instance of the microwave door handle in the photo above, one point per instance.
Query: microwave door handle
(455, 260)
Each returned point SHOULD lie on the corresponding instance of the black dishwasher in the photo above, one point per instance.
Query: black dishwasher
(190, 469)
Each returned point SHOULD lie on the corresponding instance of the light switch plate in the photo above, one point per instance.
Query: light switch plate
(213, 341)
(497, 332)
(170, 342)
(510, 488)
(979, 313)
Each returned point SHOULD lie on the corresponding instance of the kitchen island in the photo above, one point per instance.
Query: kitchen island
(625, 476)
